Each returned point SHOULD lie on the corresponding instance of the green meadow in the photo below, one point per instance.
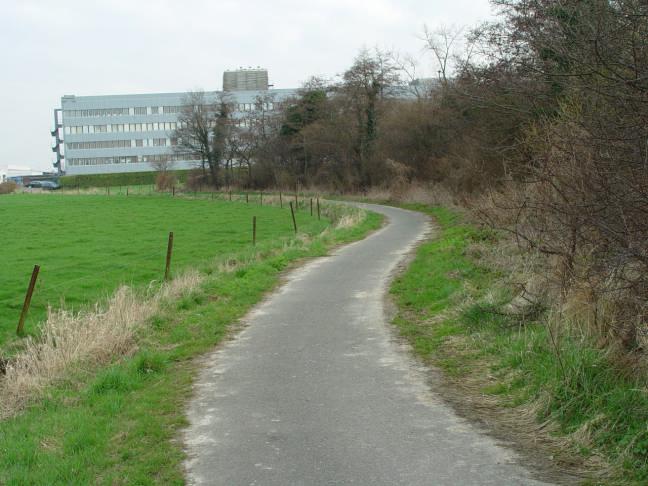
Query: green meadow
(87, 245)
(120, 423)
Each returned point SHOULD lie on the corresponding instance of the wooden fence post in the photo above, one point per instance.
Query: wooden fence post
(168, 256)
(292, 212)
(253, 230)
(280, 200)
(311, 206)
(318, 209)
(28, 297)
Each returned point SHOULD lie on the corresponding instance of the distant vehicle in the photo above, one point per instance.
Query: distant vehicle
(49, 185)
(34, 184)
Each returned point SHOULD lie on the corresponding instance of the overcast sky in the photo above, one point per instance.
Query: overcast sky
(51, 48)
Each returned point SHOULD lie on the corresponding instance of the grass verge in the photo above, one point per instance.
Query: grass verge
(119, 425)
(449, 308)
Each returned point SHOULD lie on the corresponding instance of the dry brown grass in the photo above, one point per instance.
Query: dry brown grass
(7, 187)
(86, 339)
(350, 219)
(415, 193)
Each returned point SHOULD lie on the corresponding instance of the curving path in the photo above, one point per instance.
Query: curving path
(315, 390)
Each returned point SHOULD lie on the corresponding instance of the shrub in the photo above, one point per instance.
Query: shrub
(165, 181)
(196, 180)
(7, 187)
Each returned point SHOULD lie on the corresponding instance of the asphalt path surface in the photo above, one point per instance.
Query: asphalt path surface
(317, 390)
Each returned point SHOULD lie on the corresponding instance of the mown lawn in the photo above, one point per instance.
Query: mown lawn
(87, 245)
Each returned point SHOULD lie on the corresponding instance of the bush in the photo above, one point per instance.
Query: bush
(196, 180)
(7, 187)
(164, 181)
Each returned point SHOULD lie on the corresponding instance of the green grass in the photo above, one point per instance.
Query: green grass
(120, 425)
(446, 301)
(88, 245)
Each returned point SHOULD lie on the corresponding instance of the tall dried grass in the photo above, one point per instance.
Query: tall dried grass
(86, 339)
(7, 187)
(414, 193)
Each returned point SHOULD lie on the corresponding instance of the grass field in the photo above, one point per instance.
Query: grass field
(120, 424)
(87, 245)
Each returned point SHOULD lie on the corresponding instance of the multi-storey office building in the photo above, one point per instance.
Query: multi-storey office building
(126, 133)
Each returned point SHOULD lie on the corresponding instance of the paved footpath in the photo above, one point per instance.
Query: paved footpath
(316, 390)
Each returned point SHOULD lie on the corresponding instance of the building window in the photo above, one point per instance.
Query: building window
(140, 110)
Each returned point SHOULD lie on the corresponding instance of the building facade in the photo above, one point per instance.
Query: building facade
(127, 133)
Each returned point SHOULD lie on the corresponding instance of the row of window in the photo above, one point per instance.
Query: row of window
(254, 106)
(120, 127)
(131, 159)
(106, 144)
(155, 110)
(99, 145)
(138, 110)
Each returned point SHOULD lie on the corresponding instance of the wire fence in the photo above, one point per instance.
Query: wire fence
(39, 280)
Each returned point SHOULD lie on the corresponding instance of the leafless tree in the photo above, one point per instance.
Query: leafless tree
(202, 131)
(443, 43)
(163, 164)
(365, 85)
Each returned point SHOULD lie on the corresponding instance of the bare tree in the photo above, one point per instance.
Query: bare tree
(443, 43)
(365, 85)
(202, 131)
(162, 164)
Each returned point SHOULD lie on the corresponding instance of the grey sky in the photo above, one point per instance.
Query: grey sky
(82, 47)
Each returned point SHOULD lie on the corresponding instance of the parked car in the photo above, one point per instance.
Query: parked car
(34, 184)
(49, 185)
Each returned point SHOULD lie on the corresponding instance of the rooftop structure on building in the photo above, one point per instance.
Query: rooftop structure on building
(250, 79)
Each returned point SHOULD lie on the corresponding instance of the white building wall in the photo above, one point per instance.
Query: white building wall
(123, 133)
